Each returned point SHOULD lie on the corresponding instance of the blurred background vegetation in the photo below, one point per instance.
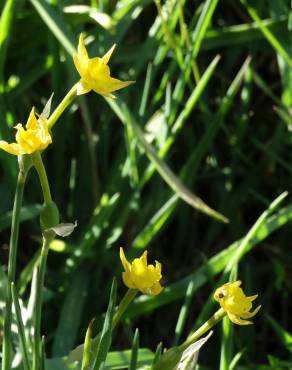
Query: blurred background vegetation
(223, 126)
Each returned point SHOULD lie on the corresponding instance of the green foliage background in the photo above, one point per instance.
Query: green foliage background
(226, 135)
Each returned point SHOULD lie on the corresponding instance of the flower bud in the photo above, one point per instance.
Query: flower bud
(169, 359)
(49, 216)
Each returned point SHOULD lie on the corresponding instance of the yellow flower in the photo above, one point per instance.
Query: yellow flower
(139, 275)
(236, 304)
(35, 136)
(95, 73)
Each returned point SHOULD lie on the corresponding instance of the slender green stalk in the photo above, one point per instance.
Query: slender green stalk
(218, 316)
(127, 299)
(39, 165)
(68, 99)
(7, 341)
(37, 341)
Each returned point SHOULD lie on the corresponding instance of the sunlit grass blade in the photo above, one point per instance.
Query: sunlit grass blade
(87, 348)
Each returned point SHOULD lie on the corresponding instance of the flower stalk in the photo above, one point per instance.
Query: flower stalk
(218, 316)
(7, 341)
(37, 340)
(39, 166)
(126, 300)
(68, 99)
(170, 359)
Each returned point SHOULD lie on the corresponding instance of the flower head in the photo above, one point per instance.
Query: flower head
(95, 73)
(35, 136)
(236, 304)
(139, 275)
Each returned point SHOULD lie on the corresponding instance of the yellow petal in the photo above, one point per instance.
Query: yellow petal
(82, 88)
(114, 84)
(125, 263)
(12, 148)
(81, 51)
(155, 289)
(252, 297)
(128, 281)
(105, 59)
(158, 268)
(248, 315)
(237, 320)
(32, 122)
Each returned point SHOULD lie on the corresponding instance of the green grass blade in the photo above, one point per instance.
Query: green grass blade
(87, 347)
(6, 19)
(26, 213)
(157, 355)
(70, 317)
(56, 24)
(202, 25)
(135, 349)
(184, 114)
(166, 173)
(184, 311)
(284, 115)
(247, 241)
(246, 33)
(146, 90)
(267, 33)
(106, 334)
(284, 336)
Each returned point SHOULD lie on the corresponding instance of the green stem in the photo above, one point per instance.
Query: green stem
(37, 341)
(68, 99)
(127, 299)
(39, 165)
(7, 341)
(218, 316)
